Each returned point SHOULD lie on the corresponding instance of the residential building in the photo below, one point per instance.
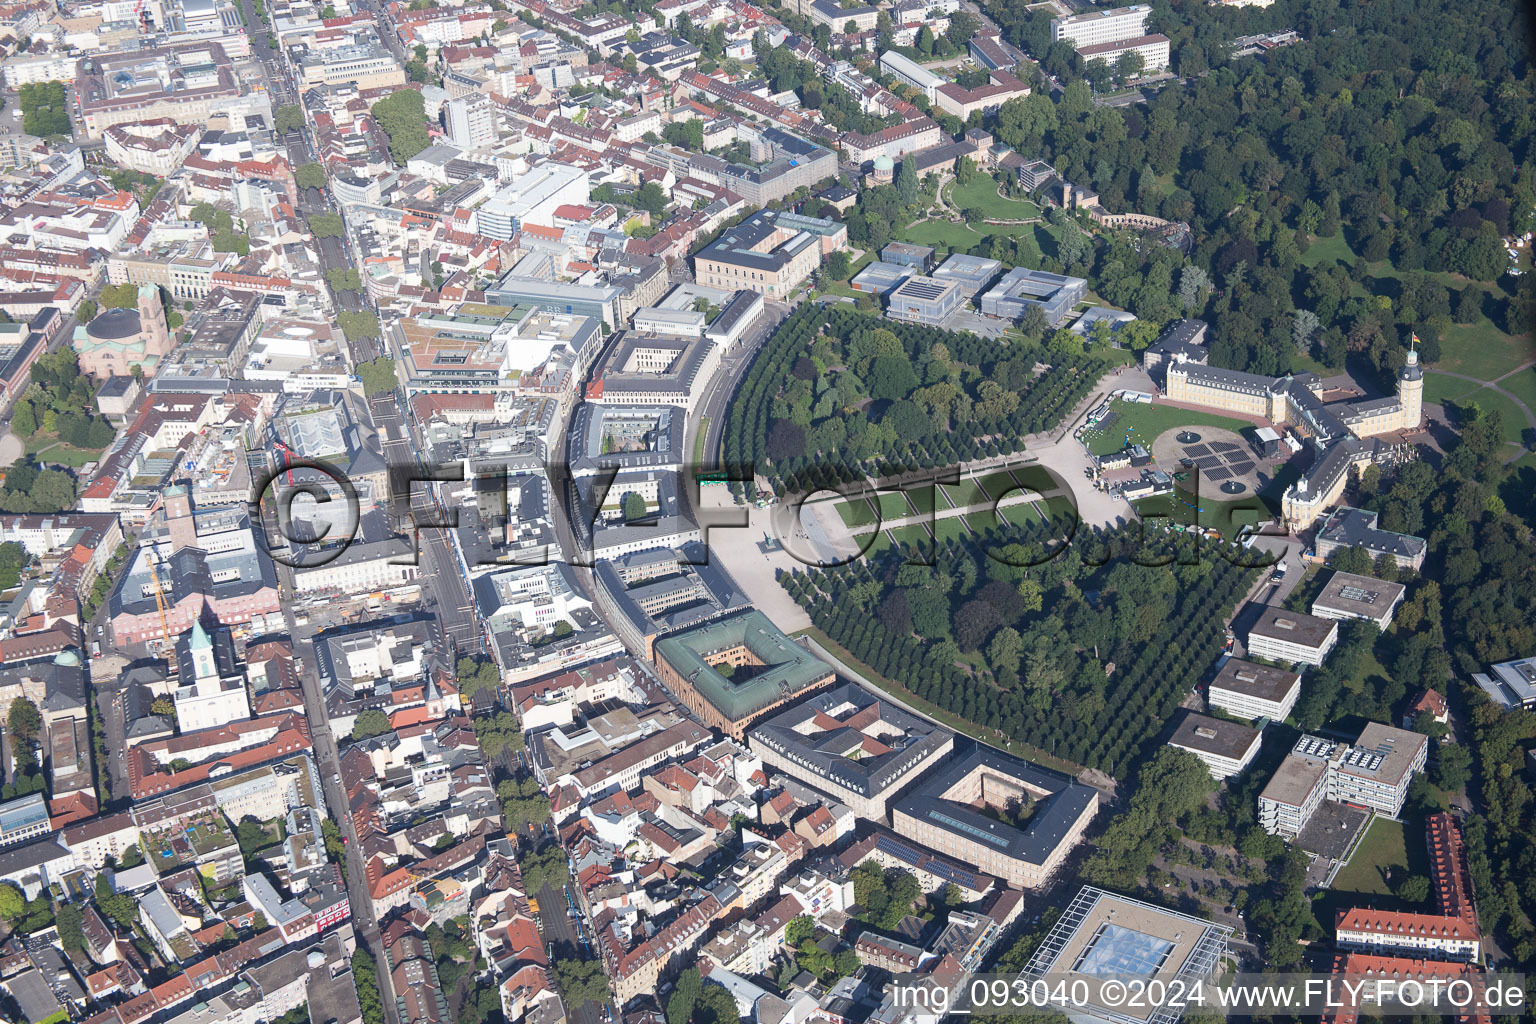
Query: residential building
(471, 121)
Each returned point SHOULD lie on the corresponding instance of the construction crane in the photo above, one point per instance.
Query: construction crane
(154, 576)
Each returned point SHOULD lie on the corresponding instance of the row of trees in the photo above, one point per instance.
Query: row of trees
(835, 394)
(1091, 679)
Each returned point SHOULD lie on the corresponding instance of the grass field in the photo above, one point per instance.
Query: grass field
(981, 194)
(952, 237)
(855, 513)
(949, 529)
(998, 484)
(1145, 422)
(1441, 389)
(1477, 349)
(1523, 386)
(1382, 852)
(966, 493)
(48, 448)
(1483, 351)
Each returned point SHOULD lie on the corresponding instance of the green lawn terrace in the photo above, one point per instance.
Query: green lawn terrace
(1141, 423)
(981, 193)
(979, 492)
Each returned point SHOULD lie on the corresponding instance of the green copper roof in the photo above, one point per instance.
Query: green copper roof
(788, 669)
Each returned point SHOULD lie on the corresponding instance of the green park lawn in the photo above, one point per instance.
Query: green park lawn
(855, 513)
(1522, 385)
(48, 448)
(964, 494)
(952, 237)
(1145, 422)
(1483, 351)
(998, 484)
(1478, 349)
(1382, 852)
(981, 194)
(1439, 388)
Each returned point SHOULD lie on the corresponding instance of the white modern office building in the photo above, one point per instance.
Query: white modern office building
(1254, 691)
(1283, 635)
(1102, 26)
(910, 72)
(533, 199)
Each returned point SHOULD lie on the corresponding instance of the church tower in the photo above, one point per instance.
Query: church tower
(1410, 390)
(205, 669)
(152, 323)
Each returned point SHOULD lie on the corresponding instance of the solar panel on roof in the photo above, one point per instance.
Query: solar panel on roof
(1354, 593)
